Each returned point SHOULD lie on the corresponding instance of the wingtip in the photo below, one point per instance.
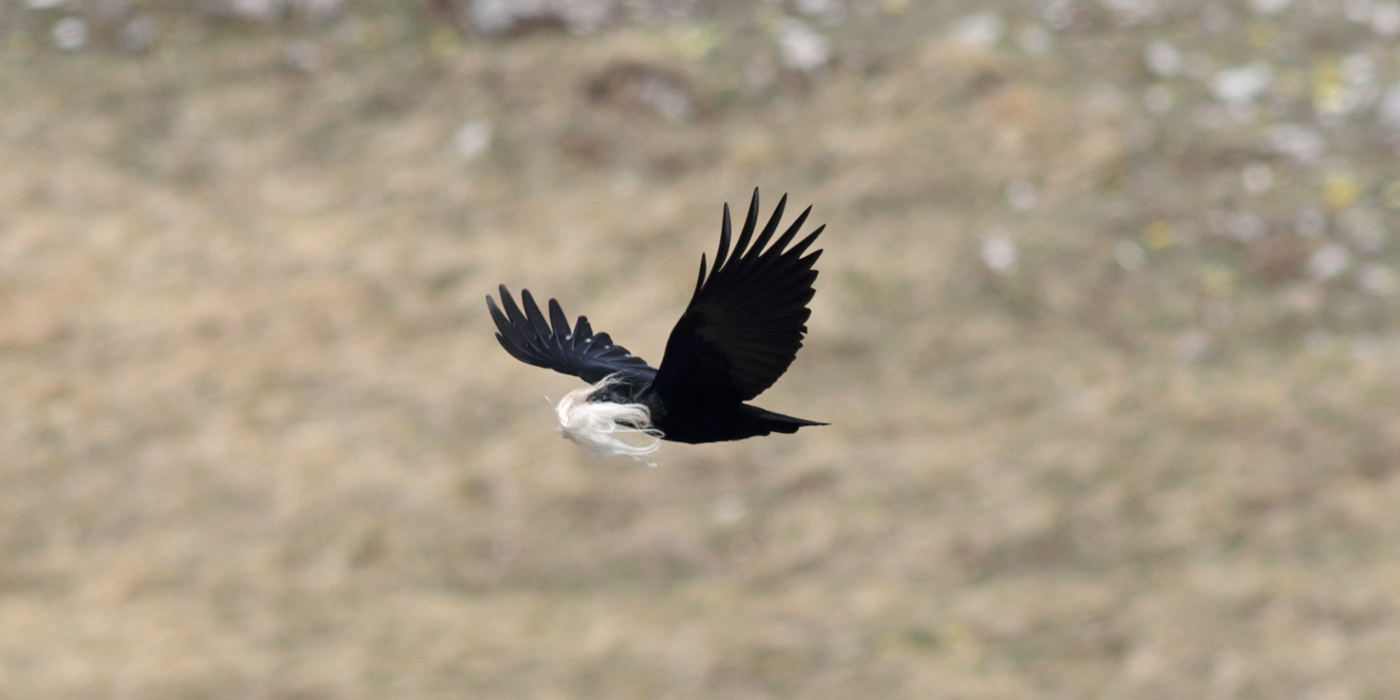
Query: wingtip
(725, 232)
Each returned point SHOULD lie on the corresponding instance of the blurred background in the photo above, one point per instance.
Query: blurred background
(1106, 330)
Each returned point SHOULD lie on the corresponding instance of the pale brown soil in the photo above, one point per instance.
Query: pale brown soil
(257, 439)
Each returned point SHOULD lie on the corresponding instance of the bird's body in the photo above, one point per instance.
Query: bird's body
(741, 330)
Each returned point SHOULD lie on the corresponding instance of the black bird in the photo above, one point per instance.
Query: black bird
(741, 330)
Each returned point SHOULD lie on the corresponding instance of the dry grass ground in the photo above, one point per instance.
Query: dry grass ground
(257, 440)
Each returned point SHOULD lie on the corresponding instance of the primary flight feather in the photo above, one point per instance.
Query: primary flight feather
(739, 333)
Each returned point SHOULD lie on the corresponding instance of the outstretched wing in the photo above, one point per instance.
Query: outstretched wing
(578, 351)
(745, 321)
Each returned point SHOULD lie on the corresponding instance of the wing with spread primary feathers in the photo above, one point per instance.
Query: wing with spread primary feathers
(529, 338)
(745, 322)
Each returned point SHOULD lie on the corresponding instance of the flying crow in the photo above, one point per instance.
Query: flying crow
(741, 330)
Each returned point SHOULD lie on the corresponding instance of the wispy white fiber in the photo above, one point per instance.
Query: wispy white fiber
(603, 429)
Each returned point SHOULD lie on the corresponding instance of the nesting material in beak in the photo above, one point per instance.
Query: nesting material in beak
(604, 429)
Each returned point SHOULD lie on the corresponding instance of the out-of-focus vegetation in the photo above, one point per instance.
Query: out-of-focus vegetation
(1106, 329)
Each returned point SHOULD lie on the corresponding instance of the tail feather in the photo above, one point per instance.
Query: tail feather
(780, 423)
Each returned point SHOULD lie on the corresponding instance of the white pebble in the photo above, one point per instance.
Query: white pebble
(1269, 7)
(999, 254)
(982, 30)
(1358, 11)
(1328, 262)
(1163, 58)
(260, 10)
(1304, 145)
(70, 34)
(1358, 69)
(802, 48)
(1242, 84)
(1385, 18)
(814, 7)
(472, 139)
(1129, 255)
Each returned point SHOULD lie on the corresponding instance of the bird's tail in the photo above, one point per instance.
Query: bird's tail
(780, 423)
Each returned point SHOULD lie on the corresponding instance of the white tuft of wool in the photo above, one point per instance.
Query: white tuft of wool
(604, 429)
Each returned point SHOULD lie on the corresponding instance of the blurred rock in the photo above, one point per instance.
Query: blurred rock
(982, 30)
(506, 16)
(1385, 18)
(1269, 7)
(1346, 86)
(1163, 58)
(70, 34)
(815, 7)
(304, 56)
(648, 88)
(1328, 262)
(802, 48)
(472, 139)
(1300, 143)
(140, 33)
(1129, 255)
(261, 10)
(999, 254)
(1358, 11)
(1242, 84)
(273, 10)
